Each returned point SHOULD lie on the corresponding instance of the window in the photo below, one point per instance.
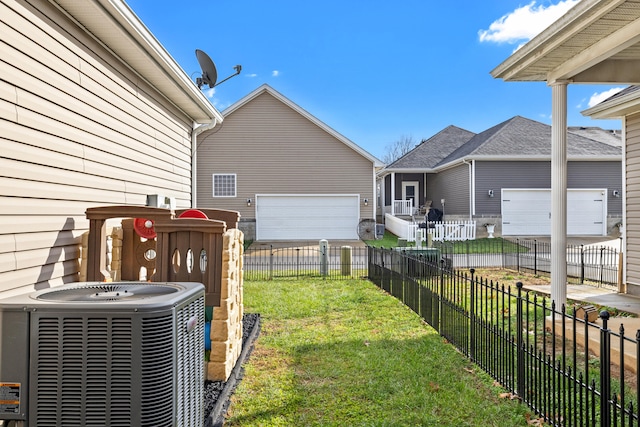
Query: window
(224, 185)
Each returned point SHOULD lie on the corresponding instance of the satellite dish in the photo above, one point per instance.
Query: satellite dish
(209, 73)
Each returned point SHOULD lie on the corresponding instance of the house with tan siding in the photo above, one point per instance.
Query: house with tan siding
(595, 42)
(289, 175)
(93, 112)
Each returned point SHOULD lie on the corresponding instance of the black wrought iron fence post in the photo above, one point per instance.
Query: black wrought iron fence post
(472, 316)
(271, 263)
(605, 371)
(581, 264)
(601, 264)
(520, 388)
(535, 257)
(518, 255)
(440, 295)
(637, 366)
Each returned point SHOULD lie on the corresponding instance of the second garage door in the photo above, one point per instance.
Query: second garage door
(307, 217)
(527, 212)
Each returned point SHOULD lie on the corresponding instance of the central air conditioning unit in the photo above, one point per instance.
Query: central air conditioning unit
(103, 354)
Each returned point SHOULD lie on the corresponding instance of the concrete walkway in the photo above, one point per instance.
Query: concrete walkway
(609, 298)
(595, 295)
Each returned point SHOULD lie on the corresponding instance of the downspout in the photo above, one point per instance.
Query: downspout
(197, 130)
(472, 190)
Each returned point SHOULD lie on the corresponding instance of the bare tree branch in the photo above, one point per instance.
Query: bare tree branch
(398, 149)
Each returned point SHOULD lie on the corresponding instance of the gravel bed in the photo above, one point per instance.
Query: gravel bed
(214, 391)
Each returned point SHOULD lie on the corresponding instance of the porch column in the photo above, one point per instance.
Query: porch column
(559, 193)
(393, 193)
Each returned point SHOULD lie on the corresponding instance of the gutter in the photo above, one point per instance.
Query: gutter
(198, 128)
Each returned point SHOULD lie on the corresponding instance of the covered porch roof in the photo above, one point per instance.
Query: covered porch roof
(596, 42)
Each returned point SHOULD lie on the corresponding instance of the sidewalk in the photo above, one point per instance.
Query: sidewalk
(609, 298)
(595, 295)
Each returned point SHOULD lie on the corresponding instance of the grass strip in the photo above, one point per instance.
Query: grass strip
(344, 353)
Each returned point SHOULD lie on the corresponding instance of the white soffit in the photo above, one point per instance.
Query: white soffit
(115, 25)
(596, 41)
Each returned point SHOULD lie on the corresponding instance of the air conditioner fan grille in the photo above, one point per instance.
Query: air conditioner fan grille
(101, 292)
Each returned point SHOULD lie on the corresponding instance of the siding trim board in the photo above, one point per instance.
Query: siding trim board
(632, 195)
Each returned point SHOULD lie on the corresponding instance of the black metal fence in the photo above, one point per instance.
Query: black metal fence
(543, 356)
(585, 263)
(309, 261)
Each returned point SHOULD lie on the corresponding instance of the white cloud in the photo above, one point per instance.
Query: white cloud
(275, 73)
(210, 92)
(220, 105)
(524, 23)
(251, 75)
(597, 98)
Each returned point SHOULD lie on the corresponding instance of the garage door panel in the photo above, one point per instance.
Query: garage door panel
(582, 210)
(307, 217)
(527, 212)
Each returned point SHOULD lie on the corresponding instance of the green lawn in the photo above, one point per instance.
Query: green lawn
(344, 353)
(476, 246)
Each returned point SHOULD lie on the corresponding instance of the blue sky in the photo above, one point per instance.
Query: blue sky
(375, 71)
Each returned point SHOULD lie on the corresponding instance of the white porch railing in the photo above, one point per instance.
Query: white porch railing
(397, 226)
(403, 207)
(449, 231)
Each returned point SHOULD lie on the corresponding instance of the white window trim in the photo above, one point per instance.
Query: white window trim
(235, 184)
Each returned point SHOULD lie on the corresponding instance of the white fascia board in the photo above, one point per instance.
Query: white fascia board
(385, 172)
(541, 158)
(615, 108)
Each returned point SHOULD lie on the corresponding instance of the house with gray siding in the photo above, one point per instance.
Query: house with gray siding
(289, 175)
(93, 112)
(493, 176)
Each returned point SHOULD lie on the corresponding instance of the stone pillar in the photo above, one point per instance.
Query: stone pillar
(116, 253)
(226, 325)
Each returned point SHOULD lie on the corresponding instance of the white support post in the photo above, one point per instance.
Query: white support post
(393, 193)
(559, 194)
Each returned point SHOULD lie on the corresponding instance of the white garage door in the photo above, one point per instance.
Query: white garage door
(307, 217)
(527, 212)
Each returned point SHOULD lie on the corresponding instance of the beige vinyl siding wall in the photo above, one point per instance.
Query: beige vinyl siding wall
(275, 150)
(632, 182)
(77, 129)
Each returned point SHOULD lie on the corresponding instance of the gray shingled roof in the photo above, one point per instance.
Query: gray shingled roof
(432, 151)
(608, 136)
(521, 138)
(626, 91)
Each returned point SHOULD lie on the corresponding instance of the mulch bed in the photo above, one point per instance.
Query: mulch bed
(217, 394)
